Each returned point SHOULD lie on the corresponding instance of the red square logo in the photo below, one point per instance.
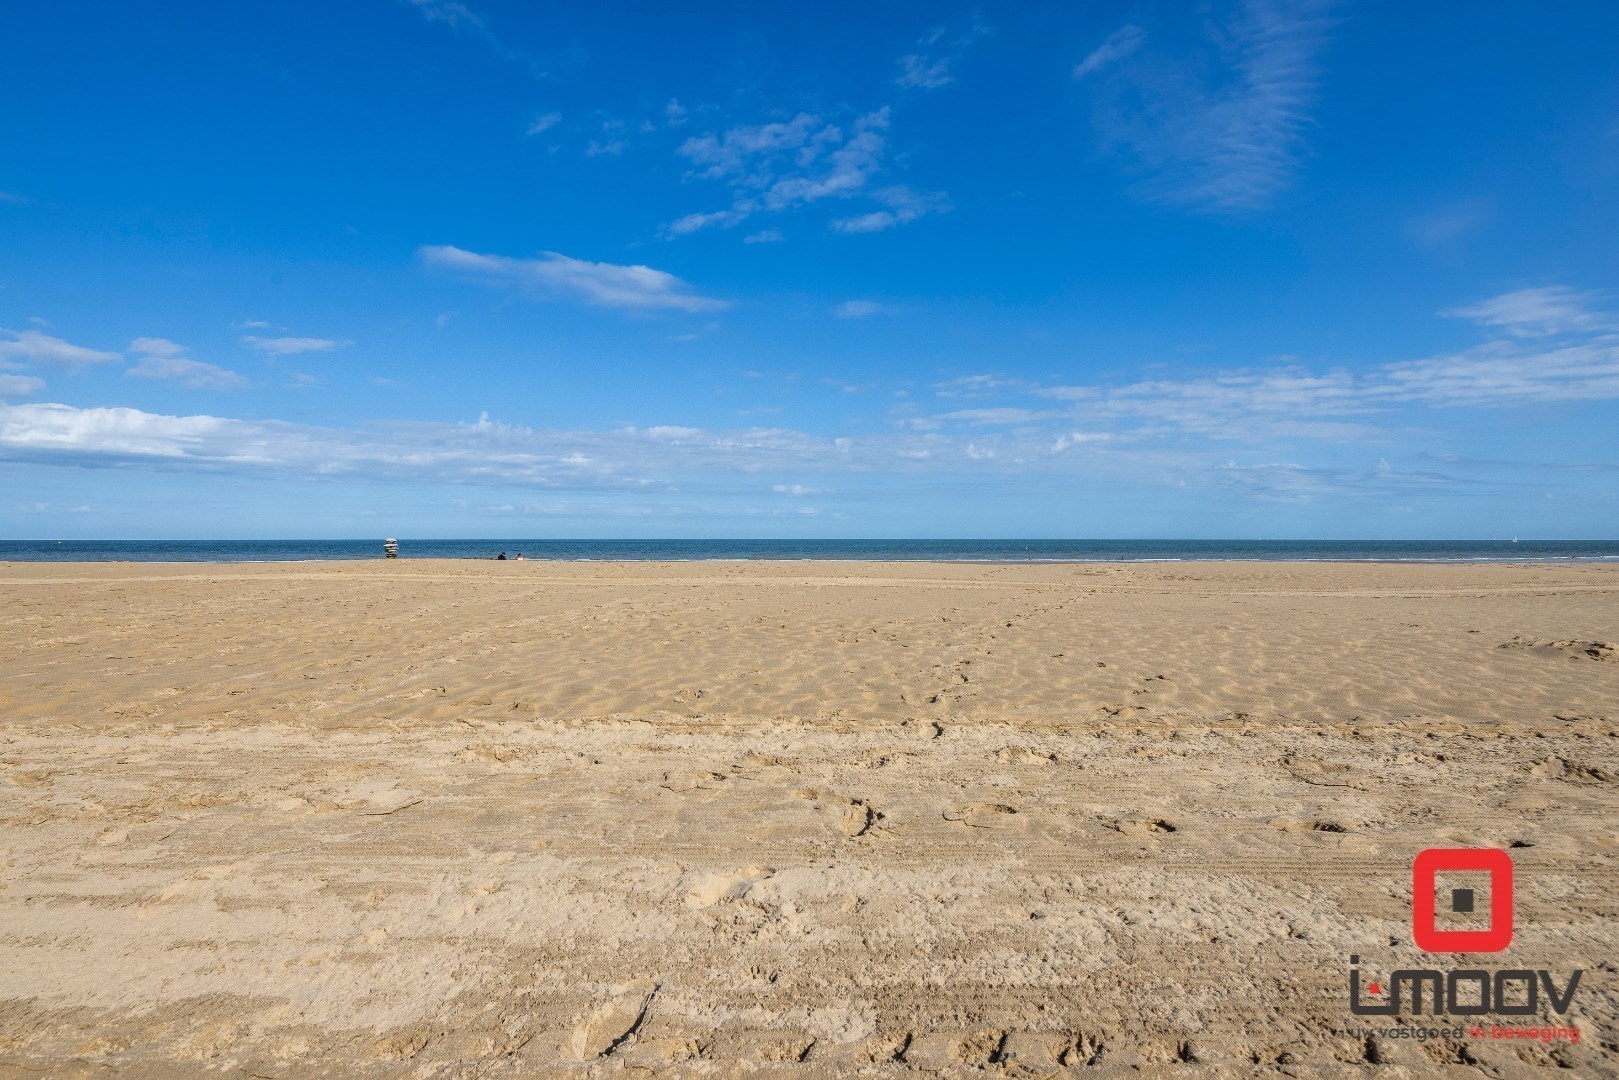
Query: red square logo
(1428, 936)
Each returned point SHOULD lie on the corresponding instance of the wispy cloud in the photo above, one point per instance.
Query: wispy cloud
(860, 309)
(1450, 226)
(628, 288)
(765, 236)
(1264, 433)
(902, 206)
(691, 223)
(931, 64)
(34, 347)
(8, 197)
(466, 21)
(544, 122)
(292, 346)
(1121, 43)
(1573, 356)
(165, 359)
(787, 164)
(485, 451)
(1222, 131)
(1538, 312)
(20, 385)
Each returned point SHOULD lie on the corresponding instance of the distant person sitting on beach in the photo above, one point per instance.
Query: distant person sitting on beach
(519, 556)
(501, 557)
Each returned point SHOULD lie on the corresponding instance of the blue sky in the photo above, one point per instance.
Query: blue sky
(433, 268)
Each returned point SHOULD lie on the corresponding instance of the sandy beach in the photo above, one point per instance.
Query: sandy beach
(433, 818)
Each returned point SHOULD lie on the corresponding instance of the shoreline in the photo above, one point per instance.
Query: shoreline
(1554, 560)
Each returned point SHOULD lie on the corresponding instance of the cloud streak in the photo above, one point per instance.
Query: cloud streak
(167, 360)
(932, 65)
(1524, 367)
(625, 288)
(1122, 43)
(292, 346)
(1538, 312)
(1218, 126)
(35, 348)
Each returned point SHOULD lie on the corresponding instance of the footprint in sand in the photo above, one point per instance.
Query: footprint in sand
(378, 798)
(1290, 825)
(1575, 772)
(1571, 649)
(613, 1022)
(692, 780)
(1143, 826)
(858, 818)
(984, 815)
(704, 890)
(1023, 755)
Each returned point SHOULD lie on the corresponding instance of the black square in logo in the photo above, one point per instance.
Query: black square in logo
(1461, 900)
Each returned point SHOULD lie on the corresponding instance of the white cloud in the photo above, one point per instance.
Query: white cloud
(1121, 43)
(165, 359)
(194, 373)
(904, 206)
(481, 452)
(1538, 312)
(292, 346)
(1004, 415)
(544, 122)
(1292, 402)
(674, 113)
(859, 309)
(20, 385)
(156, 346)
(1449, 226)
(1496, 375)
(746, 149)
(606, 147)
(691, 223)
(764, 236)
(1222, 131)
(450, 12)
(1079, 438)
(926, 72)
(464, 20)
(6, 196)
(630, 288)
(782, 165)
(932, 65)
(33, 347)
(1161, 430)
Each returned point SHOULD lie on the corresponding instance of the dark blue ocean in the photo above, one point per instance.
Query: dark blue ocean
(867, 550)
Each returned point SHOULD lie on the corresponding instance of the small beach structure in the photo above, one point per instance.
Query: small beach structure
(390, 548)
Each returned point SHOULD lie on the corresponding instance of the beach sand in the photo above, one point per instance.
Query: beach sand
(452, 818)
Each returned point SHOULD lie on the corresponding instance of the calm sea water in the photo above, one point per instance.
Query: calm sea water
(873, 550)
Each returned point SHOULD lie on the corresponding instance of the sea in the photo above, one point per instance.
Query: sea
(988, 551)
